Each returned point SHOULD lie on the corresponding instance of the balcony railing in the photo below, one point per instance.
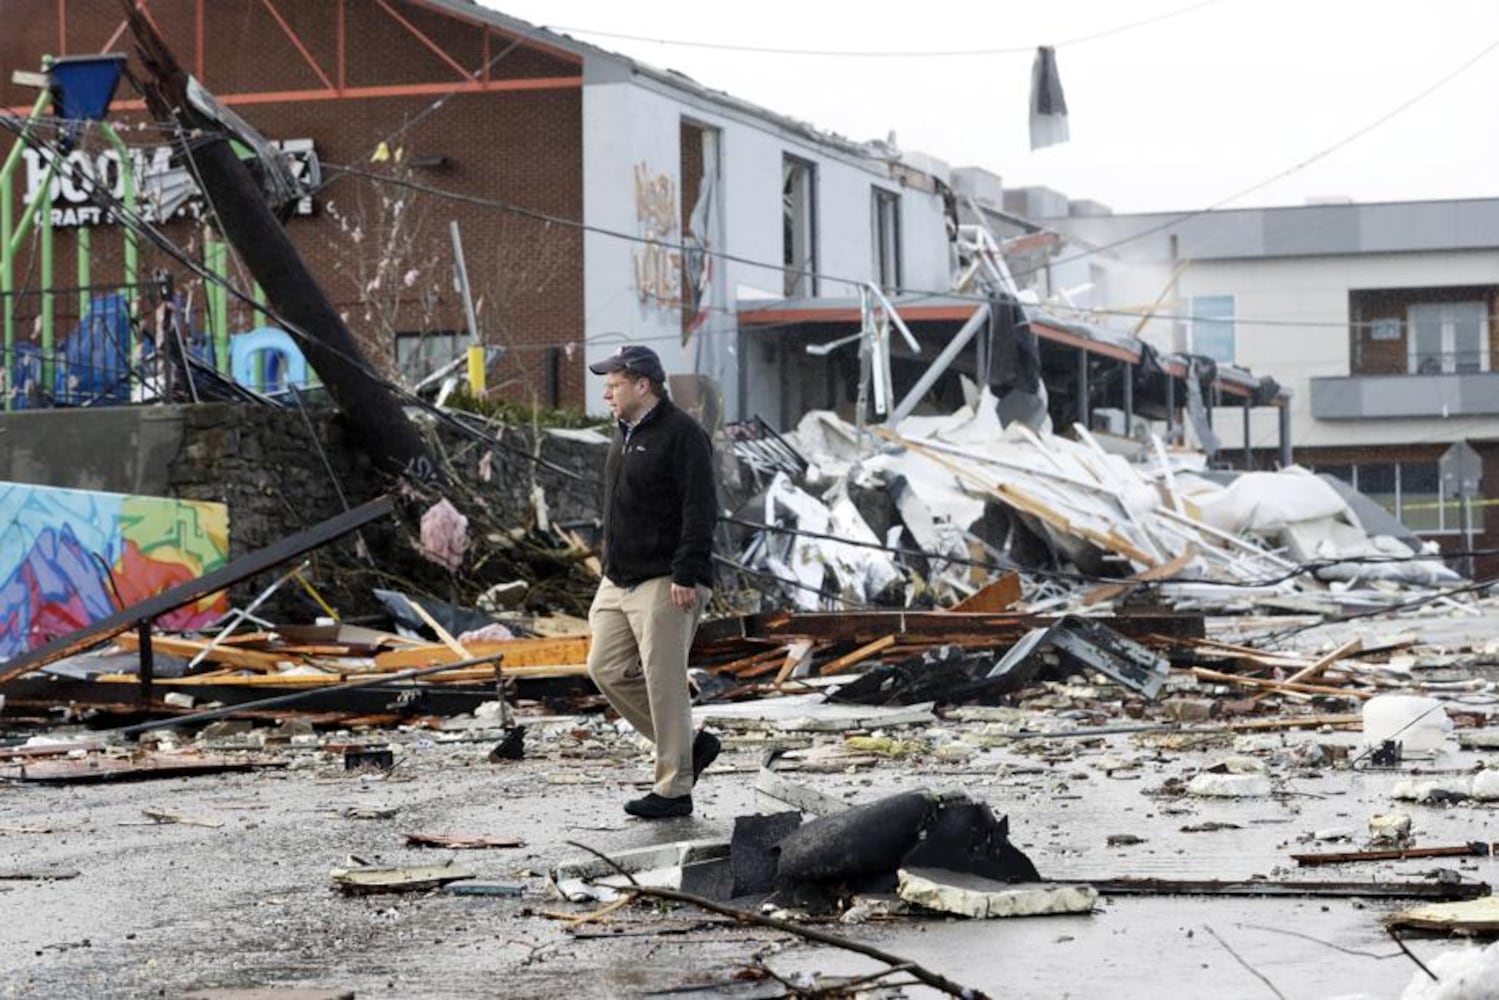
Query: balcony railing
(1368, 396)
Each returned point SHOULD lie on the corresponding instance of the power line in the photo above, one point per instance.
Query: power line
(890, 53)
(503, 205)
(1294, 168)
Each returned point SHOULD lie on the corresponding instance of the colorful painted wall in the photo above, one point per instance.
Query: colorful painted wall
(70, 557)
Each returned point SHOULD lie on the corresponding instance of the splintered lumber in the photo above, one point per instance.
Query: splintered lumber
(442, 634)
(994, 596)
(1202, 673)
(1476, 849)
(237, 571)
(858, 656)
(755, 664)
(461, 842)
(95, 769)
(1346, 649)
(1165, 571)
(1270, 659)
(797, 653)
(1111, 540)
(436, 675)
(229, 656)
(565, 650)
(413, 879)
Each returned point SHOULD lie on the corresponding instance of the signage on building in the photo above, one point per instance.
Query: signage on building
(165, 189)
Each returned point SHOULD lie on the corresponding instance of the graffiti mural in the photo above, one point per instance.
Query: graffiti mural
(658, 267)
(71, 557)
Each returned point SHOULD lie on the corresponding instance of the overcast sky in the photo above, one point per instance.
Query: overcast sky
(1184, 112)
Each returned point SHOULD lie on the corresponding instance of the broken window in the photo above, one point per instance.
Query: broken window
(1412, 491)
(799, 226)
(420, 353)
(1448, 337)
(700, 228)
(1211, 327)
(885, 222)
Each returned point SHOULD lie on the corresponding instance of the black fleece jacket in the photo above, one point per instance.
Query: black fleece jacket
(660, 504)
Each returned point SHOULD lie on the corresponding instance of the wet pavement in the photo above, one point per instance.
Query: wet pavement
(162, 909)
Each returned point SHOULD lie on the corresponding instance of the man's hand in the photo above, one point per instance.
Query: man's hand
(685, 598)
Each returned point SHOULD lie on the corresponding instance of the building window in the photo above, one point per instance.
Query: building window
(1448, 337)
(1412, 491)
(1211, 327)
(799, 226)
(885, 226)
(419, 354)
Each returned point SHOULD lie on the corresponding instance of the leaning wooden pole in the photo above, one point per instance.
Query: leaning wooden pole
(250, 224)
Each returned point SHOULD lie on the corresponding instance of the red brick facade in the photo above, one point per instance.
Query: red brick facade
(519, 143)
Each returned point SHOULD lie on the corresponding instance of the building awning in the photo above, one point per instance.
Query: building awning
(1230, 379)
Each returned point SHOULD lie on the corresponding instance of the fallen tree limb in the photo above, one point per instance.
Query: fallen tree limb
(926, 976)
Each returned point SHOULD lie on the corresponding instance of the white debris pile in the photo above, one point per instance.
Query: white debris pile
(960, 490)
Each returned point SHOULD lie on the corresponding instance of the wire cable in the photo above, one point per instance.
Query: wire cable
(887, 54)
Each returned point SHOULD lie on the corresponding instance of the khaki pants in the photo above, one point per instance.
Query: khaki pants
(638, 659)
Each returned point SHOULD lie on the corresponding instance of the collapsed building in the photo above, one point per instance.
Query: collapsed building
(968, 529)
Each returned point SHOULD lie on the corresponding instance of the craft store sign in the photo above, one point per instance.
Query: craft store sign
(164, 190)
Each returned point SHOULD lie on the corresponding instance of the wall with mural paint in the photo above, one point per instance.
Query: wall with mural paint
(70, 557)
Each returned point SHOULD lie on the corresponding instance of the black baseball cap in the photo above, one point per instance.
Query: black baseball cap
(633, 358)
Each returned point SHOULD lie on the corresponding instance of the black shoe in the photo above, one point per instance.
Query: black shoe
(655, 806)
(705, 748)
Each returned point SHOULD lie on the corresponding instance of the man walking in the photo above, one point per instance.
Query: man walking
(659, 511)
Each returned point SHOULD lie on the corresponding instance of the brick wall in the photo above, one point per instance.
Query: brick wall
(523, 148)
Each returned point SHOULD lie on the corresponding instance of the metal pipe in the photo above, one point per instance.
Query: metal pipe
(1285, 435)
(49, 300)
(461, 272)
(1248, 449)
(1170, 405)
(1129, 396)
(7, 255)
(929, 377)
(132, 241)
(148, 660)
(1082, 386)
(220, 295)
(85, 245)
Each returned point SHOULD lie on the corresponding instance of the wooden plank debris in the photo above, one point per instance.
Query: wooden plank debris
(240, 569)
(1472, 917)
(412, 879)
(1476, 849)
(1268, 887)
(551, 652)
(462, 842)
(1165, 571)
(997, 595)
(37, 874)
(1319, 665)
(858, 656)
(229, 656)
(1203, 673)
(95, 769)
